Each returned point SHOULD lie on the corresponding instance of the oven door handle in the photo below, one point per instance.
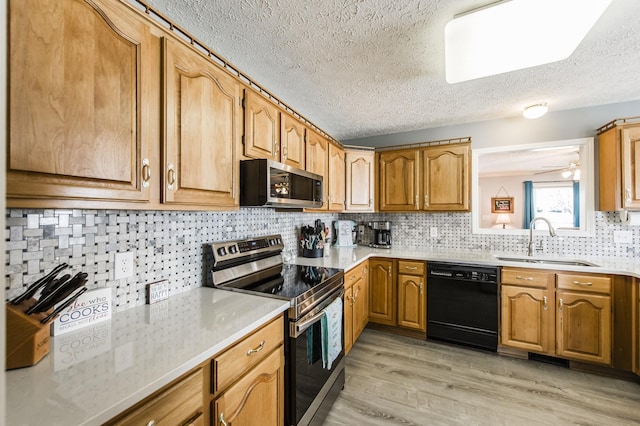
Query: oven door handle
(303, 324)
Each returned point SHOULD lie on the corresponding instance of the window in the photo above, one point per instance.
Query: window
(556, 201)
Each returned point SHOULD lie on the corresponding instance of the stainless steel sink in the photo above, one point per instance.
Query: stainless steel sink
(566, 262)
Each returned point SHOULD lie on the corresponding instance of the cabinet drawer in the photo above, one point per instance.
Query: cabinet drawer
(590, 283)
(410, 267)
(527, 277)
(180, 403)
(230, 364)
(354, 274)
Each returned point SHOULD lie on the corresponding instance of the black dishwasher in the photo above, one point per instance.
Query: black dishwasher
(462, 304)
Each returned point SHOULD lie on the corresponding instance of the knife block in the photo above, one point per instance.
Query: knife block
(27, 339)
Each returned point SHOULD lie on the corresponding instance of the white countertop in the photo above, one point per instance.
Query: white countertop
(348, 257)
(97, 372)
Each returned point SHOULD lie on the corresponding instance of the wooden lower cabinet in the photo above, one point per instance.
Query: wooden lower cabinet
(180, 403)
(257, 398)
(412, 301)
(356, 303)
(527, 319)
(583, 327)
(382, 292)
(568, 315)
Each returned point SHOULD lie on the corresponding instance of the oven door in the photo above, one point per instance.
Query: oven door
(310, 381)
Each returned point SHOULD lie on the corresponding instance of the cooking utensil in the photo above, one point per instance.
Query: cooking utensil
(60, 308)
(58, 294)
(33, 288)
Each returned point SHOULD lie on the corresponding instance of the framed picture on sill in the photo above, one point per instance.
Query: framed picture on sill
(501, 204)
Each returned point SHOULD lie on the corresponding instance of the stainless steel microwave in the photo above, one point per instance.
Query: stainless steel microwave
(268, 183)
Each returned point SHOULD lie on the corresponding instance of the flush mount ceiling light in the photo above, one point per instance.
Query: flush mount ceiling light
(535, 111)
(516, 34)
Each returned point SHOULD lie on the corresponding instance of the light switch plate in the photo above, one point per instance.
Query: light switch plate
(622, 237)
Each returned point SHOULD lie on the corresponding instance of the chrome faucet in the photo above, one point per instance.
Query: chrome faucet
(552, 232)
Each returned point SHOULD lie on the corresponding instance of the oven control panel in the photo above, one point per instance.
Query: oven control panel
(232, 250)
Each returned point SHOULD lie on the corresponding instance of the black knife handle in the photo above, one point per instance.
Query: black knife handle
(31, 290)
(56, 296)
(60, 308)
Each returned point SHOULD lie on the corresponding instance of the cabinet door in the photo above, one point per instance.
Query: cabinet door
(583, 327)
(81, 84)
(292, 146)
(527, 319)
(257, 398)
(359, 178)
(317, 162)
(412, 302)
(336, 178)
(382, 295)
(261, 127)
(361, 307)
(631, 167)
(445, 178)
(349, 301)
(202, 130)
(398, 180)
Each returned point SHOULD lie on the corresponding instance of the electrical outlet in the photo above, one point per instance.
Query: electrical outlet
(433, 232)
(622, 237)
(123, 265)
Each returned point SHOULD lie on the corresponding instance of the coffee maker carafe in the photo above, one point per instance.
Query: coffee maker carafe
(381, 235)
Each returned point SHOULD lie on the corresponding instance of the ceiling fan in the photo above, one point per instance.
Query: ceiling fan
(573, 169)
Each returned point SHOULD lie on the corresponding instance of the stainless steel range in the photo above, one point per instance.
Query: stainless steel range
(255, 266)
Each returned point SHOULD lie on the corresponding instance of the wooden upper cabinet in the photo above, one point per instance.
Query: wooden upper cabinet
(619, 166)
(336, 178)
(202, 130)
(398, 187)
(292, 134)
(359, 179)
(80, 82)
(446, 177)
(317, 161)
(261, 127)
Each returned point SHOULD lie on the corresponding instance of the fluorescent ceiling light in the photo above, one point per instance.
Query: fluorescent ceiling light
(516, 34)
(535, 111)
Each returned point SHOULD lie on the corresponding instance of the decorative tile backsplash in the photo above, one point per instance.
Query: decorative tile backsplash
(454, 233)
(170, 245)
(166, 245)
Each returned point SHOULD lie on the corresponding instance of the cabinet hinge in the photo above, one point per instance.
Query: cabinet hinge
(243, 102)
(243, 139)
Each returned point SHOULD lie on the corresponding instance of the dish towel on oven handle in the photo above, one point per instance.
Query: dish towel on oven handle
(331, 329)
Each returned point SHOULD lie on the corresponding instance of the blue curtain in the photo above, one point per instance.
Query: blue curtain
(576, 203)
(529, 212)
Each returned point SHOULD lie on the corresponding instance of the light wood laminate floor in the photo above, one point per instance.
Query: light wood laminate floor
(395, 380)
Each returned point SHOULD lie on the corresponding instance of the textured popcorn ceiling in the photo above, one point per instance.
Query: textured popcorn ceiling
(360, 68)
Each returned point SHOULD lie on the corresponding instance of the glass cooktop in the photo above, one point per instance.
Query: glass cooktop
(294, 281)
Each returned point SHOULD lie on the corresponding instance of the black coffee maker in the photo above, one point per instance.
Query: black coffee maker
(381, 235)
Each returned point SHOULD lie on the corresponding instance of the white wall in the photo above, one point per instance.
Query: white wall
(555, 125)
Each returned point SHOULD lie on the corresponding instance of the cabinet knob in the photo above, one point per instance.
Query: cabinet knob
(544, 300)
(258, 349)
(421, 286)
(426, 200)
(389, 270)
(627, 195)
(560, 305)
(151, 423)
(417, 207)
(146, 173)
